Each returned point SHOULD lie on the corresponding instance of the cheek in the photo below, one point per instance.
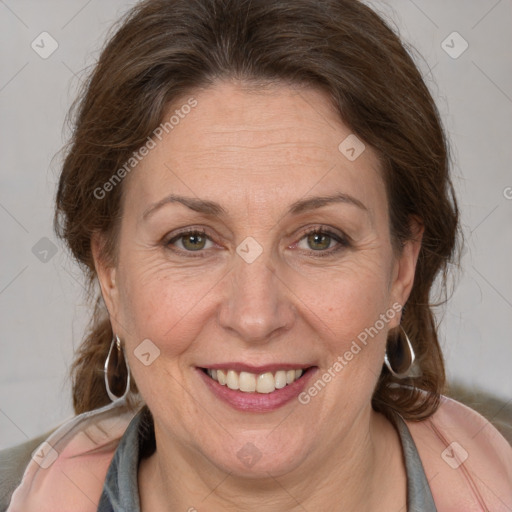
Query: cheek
(163, 304)
(352, 317)
(345, 301)
(169, 309)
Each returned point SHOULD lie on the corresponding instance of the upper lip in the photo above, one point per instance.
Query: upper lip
(244, 367)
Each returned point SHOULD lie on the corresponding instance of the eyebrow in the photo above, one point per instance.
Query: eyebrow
(212, 208)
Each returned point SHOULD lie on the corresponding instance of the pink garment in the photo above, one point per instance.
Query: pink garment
(467, 461)
(67, 471)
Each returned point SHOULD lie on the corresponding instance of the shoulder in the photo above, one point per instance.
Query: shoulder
(466, 459)
(13, 462)
(69, 466)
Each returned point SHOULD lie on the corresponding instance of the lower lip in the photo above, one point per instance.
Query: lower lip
(257, 402)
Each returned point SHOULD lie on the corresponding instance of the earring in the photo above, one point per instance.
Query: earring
(117, 342)
(400, 362)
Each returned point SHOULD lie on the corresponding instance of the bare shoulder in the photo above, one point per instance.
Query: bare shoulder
(466, 459)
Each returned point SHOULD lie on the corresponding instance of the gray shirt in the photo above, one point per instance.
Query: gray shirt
(121, 494)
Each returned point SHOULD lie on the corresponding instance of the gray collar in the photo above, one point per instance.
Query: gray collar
(419, 496)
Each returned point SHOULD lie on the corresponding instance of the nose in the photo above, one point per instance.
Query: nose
(257, 305)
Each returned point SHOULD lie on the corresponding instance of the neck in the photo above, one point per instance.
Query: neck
(364, 471)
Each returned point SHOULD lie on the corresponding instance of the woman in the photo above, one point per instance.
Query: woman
(261, 191)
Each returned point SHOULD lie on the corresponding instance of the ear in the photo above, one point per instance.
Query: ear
(106, 276)
(404, 267)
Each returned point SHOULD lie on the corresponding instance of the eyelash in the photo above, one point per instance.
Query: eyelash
(342, 242)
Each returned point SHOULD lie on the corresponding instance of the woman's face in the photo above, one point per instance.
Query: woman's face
(256, 293)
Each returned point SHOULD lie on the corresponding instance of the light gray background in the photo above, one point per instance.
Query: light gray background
(42, 305)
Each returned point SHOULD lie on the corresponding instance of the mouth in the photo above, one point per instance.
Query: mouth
(249, 382)
(261, 389)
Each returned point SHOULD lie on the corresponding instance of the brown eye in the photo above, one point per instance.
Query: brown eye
(190, 241)
(323, 242)
(194, 242)
(319, 241)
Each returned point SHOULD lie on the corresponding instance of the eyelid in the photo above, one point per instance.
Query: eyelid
(338, 236)
(343, 241)
(325, 229)
(170, 240)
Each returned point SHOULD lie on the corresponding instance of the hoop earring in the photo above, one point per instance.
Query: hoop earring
(400, 362)
(117, 342)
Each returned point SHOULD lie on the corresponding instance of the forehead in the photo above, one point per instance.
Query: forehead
(270, 144)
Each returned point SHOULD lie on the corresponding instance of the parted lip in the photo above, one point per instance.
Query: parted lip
(244, 367)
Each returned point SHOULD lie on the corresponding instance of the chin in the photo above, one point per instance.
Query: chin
(259, 456)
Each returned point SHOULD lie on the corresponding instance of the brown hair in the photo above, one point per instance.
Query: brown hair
(164, 49)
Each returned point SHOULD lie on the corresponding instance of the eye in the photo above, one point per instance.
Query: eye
(322, 241)
(190, 241)
(319, 240)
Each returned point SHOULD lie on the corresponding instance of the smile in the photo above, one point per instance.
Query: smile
(254, 383)
(256, 389)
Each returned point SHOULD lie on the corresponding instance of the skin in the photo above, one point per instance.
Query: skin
(255, 152)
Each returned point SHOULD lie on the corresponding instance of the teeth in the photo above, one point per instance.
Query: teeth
(266, 383)
(280, 379)
(221, 377)
(250, 382)
(247, 382)
(232, 379)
